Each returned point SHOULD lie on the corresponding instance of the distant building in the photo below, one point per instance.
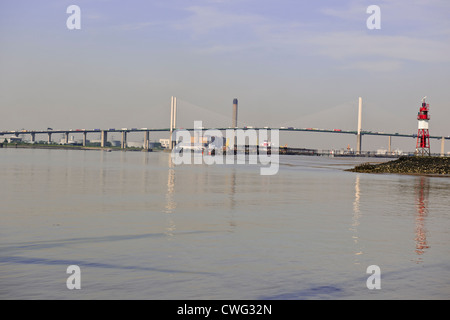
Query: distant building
(14, 139)
(116, 143)
(165, 143)
(132, 144)
(71, 141)
(383, 152)
(154, 145)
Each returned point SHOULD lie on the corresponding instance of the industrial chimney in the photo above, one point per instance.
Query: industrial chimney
(235, 113)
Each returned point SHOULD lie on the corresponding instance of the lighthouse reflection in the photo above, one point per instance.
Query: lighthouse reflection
(422, 189)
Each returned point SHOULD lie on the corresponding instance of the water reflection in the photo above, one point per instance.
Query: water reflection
(171, 204)
(355, 219)
(146, 173)
(231, 195)
(422, 189)
(103, 165)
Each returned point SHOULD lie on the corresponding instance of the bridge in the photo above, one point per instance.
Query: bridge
(146, 132)
(124, 131)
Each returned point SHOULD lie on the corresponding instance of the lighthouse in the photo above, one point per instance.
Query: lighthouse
(423, 135)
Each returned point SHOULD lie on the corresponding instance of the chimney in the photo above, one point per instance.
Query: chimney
(235, 113)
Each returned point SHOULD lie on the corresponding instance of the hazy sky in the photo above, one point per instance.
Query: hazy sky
(289, 62)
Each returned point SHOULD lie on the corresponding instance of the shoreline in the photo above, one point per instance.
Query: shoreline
(78, 147)
(416, 165)
(62, 147)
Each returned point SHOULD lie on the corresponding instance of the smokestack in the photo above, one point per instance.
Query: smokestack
(235, 113)
(171, 115)
(358, 137)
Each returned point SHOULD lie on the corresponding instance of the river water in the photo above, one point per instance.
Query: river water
(140, 227)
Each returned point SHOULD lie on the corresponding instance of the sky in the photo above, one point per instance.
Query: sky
(289, 62)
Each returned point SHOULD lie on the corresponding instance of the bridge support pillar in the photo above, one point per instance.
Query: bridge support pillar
(390, 145)
(33, 137)
(358, 143)
(104, 138)
(49, 138)
(84, 139)
(66, 137)
(442, 147)
(147, 141)
(124, 140)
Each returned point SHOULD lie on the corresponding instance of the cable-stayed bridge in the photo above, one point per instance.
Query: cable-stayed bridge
(188, 111)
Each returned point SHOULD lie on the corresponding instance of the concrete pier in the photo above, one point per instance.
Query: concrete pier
(49, 138)
(124, 140)
(33, 137)
(104, 138)
(390, 145)
(442, 147)
(84, 139)
(147, 141)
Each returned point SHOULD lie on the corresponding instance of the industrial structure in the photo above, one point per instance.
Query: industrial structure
(423, 135)
(235, 113)
(234, 124)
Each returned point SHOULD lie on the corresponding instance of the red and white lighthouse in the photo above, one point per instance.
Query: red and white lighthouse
(423, 135)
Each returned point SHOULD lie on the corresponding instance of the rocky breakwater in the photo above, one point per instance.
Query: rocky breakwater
(409, 165)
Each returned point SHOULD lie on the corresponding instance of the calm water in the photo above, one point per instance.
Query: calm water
(141, 228)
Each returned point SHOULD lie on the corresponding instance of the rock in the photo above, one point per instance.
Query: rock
(408, 165)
